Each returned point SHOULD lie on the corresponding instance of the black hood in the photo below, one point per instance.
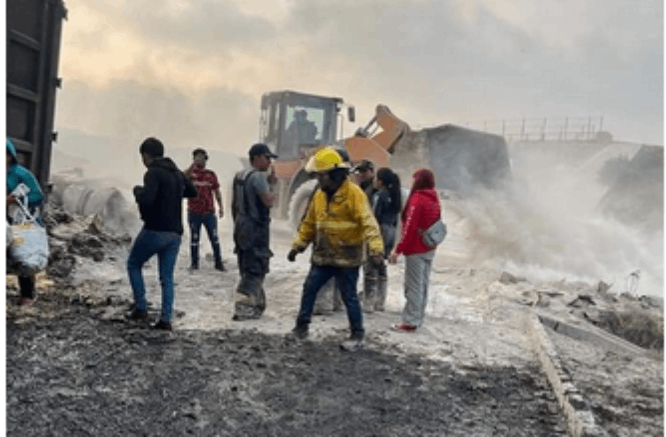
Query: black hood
(165, 163)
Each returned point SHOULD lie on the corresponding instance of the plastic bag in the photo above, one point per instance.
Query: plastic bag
(29, 249)
(27, 241)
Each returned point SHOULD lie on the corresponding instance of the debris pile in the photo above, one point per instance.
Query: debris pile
(637, 319)
(77, 195)
(75, 238)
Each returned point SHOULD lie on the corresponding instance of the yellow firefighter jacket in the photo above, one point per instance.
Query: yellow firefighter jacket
(339, 227)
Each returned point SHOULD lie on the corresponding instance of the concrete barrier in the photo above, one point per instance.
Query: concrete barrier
(579, 419)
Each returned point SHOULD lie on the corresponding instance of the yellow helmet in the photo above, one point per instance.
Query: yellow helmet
(324, 160)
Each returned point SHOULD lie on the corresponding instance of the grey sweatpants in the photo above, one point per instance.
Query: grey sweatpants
(417, 276)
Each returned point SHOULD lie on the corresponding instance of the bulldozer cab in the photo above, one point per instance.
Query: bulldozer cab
(294, 123)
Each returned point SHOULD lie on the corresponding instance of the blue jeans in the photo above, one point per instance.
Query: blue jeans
(209, 221)
(346, 280)
(147, 244)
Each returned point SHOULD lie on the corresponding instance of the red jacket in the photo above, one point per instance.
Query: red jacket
(422, 211)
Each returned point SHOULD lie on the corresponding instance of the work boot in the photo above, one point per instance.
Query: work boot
(300, 332)
(163, 326)
(354, 343)
(138, 315)
(246, 308)
(219, 266)
(380, 298)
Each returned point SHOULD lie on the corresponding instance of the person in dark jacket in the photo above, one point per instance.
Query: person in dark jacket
(365, 176)
(422, 210)
(160, 202)
(17, 175)
(386, 204)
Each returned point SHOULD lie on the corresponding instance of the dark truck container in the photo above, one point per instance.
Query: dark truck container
(34, 29)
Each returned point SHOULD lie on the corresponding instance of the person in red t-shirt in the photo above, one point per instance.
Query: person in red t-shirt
(422, 210)
(201, 209)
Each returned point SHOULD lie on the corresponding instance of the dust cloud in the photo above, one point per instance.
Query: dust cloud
(90, 176)
(548, 226)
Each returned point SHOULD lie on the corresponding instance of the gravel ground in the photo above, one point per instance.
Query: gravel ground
(70, 372)
(76, 367)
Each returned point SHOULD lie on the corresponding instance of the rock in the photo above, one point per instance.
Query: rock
(88, 246)
(543, 300)
(61, 263)
(507, 278)
(603, 287)
(583, 300)
(593, 315)
(648, 302)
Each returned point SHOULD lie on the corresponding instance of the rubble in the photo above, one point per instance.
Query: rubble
(507, 278)
(73, 238)
(624, 392)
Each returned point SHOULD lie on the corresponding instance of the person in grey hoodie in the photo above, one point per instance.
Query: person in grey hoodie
(160, 202)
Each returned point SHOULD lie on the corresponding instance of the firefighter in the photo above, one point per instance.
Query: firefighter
(338, 222)
(328, 300)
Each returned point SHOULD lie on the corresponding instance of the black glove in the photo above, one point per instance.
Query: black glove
(292, 255)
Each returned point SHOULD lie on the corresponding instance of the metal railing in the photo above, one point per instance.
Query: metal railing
(544, 129)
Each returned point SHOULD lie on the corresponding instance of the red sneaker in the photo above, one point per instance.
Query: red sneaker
(404, 327)
(26, 301)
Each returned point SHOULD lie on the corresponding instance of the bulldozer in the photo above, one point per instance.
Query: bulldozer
(295, 125)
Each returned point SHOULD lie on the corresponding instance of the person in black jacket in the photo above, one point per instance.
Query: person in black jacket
(160, 202)
(386, 204)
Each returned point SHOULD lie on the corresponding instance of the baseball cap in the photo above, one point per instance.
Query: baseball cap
(364, 165)
(261, 149)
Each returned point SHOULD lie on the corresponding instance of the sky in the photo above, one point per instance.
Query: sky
(192, 72)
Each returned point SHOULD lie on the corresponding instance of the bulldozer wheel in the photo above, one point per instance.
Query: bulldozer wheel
(299, 201)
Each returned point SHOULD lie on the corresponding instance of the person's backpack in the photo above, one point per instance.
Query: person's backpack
(244, 227)
(435, 234)
(240, 185)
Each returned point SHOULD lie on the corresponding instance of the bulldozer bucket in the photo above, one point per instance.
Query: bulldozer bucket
(360, 148)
